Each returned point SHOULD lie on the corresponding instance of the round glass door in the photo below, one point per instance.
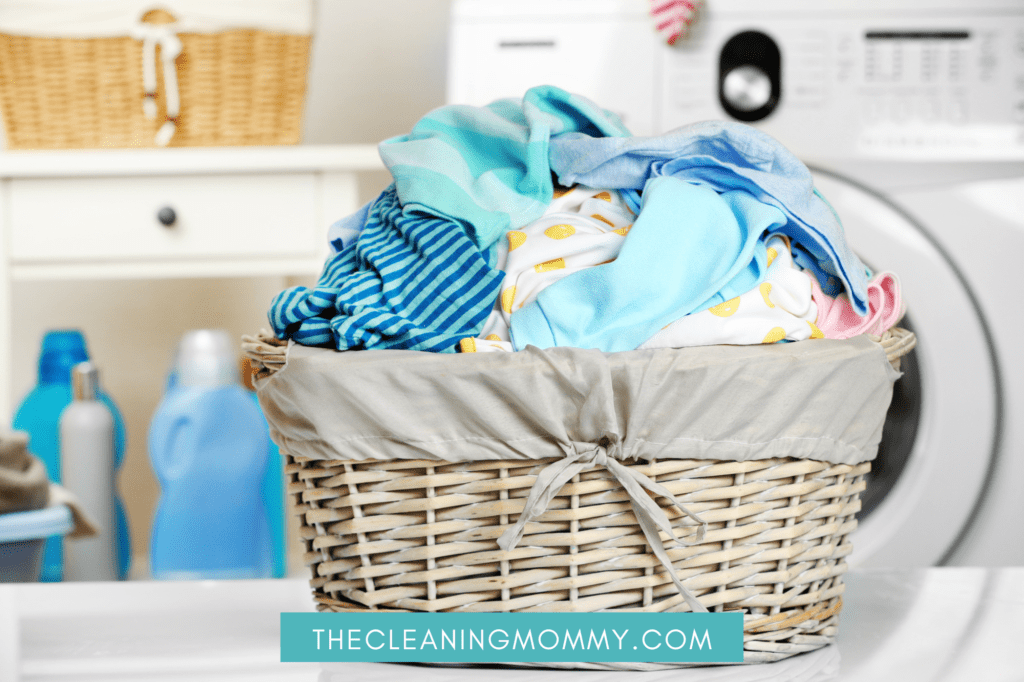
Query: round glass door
(940, 434)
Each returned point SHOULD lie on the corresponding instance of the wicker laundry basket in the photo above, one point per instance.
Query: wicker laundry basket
(421, 535)
(236, 86)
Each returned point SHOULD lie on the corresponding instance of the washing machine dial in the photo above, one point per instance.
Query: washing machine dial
(749, 76)
(747, 88)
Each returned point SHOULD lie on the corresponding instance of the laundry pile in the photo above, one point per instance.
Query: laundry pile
(542, 222)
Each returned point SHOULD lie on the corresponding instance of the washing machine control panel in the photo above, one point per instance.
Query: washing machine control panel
(895, 85)
(901, 88)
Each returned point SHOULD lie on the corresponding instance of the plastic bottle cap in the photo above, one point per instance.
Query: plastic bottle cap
(85, 381)
(206, 357)
(62, 349)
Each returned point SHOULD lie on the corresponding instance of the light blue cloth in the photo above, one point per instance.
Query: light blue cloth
(689, 249)
(487, 167)
(408, 281)
(722, 155)
(346, 231)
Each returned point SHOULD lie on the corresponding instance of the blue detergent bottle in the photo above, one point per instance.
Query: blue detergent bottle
(209, 448)
(273, 488)
(39, 416)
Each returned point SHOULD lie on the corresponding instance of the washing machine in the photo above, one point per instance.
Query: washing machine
(911, 117)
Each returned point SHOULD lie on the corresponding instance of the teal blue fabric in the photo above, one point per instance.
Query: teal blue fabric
(487, 167)
(689, 249)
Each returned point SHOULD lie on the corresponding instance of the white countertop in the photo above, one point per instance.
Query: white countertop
(947, 624)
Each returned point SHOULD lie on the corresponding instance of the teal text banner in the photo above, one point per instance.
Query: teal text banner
(512, 637)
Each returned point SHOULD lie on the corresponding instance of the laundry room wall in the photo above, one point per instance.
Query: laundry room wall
(375, 68)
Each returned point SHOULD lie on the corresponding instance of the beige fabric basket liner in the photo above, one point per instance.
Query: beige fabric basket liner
(824, 400)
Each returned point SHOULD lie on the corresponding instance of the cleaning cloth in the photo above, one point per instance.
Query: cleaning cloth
(23, 482)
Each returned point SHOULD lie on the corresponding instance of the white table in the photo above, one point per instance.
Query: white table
(241, 211)
(948, 624)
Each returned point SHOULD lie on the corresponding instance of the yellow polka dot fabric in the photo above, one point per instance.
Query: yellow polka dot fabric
(548, 266)
(582, 228)
(508, 297)
(560, 231)
(781, 308)
(725, 309)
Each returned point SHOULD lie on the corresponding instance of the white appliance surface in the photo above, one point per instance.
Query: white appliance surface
(950, 624)
(911, 116)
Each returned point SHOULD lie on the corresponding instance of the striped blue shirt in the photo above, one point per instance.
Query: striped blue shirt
(410, 281)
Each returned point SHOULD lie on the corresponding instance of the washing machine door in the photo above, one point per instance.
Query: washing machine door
(939, 442)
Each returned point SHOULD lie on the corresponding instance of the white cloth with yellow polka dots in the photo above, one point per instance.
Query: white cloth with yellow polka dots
(780, 308)
(582, 227)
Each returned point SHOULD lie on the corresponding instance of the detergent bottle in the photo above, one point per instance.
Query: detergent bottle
(208, 445)
(39, 416)
(272, 487)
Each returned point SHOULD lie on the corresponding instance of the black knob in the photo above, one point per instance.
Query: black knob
(166, 216)
(749, 76)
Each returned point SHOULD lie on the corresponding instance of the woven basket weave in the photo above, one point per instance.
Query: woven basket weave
(238, 87)
(422, 535)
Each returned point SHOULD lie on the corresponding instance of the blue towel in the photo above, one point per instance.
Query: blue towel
(689, 249)
(408, 281)
(487, 167)
(724, 156)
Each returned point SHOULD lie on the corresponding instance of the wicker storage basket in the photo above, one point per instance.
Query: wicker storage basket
(421, 535)
(239, 86)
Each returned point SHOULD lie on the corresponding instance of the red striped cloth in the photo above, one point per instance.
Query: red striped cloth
(673, 18)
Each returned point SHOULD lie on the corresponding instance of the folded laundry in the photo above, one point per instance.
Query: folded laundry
(780, 308)
(689, 249)
(724, 156)
(487, 167)
(582, 228)
(408, 281)
(837, 319)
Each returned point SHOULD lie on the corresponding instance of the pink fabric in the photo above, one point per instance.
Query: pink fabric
(837, 319)
(672, 18)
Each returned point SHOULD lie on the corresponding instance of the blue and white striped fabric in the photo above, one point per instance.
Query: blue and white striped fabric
(408, 281)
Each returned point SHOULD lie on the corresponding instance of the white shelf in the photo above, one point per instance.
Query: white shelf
(188, 161)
